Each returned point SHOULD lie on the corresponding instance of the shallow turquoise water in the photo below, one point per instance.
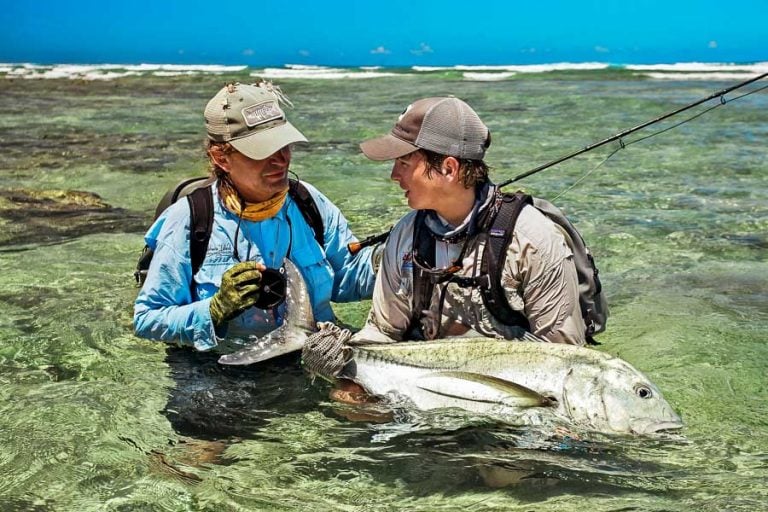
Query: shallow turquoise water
(93, 418)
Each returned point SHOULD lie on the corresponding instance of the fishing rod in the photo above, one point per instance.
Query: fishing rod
(375, 239)
(624, 133)
(354, 247)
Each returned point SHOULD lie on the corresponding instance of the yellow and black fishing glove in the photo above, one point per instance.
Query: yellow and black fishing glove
(239, 290)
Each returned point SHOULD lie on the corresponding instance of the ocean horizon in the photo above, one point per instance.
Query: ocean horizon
(471, 72)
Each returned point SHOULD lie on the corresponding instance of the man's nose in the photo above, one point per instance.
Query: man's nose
(395, 174)
(281, 156)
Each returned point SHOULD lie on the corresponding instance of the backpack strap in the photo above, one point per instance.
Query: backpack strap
(308, 207)
(498, 237)
(183, 188)
(200, 225)
(424, 249)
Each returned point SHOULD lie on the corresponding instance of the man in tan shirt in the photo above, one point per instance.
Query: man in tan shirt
(438, 146)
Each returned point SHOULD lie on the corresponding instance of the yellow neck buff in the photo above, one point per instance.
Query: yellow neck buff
(250, 211)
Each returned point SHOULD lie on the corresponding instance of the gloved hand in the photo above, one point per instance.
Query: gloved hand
(239, 290)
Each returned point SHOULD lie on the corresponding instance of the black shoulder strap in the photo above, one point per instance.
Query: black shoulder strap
(200, 210)
(200, 224)
(423, 249)
(181, 189)
(309, 210)
(499, 235)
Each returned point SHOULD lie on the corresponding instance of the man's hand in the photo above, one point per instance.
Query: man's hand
(239, 290)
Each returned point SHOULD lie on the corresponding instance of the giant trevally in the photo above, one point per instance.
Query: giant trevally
(586, 387)
(500, 378)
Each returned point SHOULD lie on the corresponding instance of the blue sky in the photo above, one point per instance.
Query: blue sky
(392, 33)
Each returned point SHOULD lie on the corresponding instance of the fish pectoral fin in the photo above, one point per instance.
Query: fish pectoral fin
(477, 387)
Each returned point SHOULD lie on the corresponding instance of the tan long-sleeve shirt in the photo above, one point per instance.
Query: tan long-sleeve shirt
(539, 279)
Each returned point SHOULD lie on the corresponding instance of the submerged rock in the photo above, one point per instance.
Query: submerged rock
(42, 217)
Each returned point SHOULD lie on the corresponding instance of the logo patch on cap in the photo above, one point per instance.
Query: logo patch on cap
(261, 113)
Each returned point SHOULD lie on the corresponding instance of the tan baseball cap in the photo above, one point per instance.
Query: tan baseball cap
(447, 126)
(250, 118)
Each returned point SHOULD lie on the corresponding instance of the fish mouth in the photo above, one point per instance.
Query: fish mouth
(656, 427)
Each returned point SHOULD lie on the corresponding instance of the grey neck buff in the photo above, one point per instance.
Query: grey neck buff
(446, 232)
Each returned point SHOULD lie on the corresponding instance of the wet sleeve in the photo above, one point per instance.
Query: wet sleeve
(353, 274)
(541, 265)
(164, 309)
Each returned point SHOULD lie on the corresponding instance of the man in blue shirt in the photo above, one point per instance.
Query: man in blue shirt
(256, 224)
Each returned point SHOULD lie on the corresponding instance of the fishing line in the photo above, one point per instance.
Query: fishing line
(619, 136)
(722, 102)
(588, 173)
(623, 145)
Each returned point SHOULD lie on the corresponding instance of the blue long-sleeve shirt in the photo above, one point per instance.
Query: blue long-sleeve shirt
(166, 309)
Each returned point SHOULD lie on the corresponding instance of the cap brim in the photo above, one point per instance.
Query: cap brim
(261, 144)
(387, 147)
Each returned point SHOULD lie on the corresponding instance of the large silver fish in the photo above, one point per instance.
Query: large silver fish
(483, 375)
(501, 378)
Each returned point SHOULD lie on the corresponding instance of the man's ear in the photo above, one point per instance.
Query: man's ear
(219, 157)
(450, 167)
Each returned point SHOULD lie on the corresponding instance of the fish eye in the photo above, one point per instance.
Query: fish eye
(643, 391)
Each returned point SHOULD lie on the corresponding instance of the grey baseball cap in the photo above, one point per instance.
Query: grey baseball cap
(447, 126)
(250, 118)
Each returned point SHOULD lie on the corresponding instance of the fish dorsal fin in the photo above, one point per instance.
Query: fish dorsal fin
(477, 387)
